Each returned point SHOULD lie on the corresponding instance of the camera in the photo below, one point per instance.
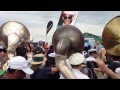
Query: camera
(92, 64)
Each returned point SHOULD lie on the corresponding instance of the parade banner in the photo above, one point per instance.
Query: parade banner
(67, 18)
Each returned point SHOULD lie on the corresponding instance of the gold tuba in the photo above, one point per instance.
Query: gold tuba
(67, 40)
(111, 36)
(11, 34)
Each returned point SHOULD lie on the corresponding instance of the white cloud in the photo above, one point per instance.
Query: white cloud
(36, 21)
(93, 29)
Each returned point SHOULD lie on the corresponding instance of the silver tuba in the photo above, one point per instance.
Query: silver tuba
(11, 34)
(67, 40)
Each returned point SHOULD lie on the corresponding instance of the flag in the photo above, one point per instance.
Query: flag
(49, 26)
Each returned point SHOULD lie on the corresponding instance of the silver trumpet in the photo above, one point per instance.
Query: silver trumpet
(67, 40)
(11, 34)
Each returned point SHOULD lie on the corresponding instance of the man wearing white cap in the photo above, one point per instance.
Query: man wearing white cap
(76, 61)
(17, 68)
(92, 55)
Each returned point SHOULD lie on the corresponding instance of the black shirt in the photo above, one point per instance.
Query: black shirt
(42, 73)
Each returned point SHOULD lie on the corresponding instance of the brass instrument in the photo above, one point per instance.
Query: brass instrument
(67, 40)
(11, 34)
(111, 36)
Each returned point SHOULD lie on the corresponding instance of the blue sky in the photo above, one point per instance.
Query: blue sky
(36, 21)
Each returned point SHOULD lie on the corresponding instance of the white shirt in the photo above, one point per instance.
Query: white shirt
(76, 72)
(79, 75)
(52, 54)
(90, 58)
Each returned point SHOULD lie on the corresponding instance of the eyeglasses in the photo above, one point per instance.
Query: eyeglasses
(70, 17)
(4, 50)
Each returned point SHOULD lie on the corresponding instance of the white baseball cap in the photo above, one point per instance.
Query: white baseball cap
(19, 63)
(92, 50)
(76, 59)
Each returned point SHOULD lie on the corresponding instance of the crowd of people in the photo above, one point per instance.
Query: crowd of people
(97, 61)
(39, 63)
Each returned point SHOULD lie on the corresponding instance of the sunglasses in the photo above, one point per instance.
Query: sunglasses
(70, 17)
(4, 50)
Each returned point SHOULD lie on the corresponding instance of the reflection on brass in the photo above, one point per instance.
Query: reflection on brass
(111, 36)
(67, 40)
(11, 33)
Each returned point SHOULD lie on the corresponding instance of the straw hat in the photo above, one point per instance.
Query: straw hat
(38, 59)
(111, 36)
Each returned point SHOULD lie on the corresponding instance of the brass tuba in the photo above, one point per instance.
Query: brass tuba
(67, 40)
(111, 36)
(11, 34)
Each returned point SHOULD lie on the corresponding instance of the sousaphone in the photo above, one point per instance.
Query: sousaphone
(11, 34)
